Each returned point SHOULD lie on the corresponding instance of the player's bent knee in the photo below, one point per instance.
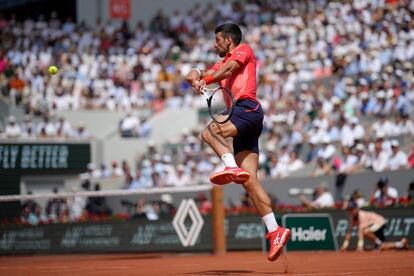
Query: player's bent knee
(205, 135)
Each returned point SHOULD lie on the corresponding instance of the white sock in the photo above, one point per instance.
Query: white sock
(378, 241)
(399, 245)
(270, 222)
(228, 160)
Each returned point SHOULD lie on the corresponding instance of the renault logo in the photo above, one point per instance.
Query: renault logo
(188, 208)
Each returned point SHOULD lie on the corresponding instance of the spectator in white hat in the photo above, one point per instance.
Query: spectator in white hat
(362, 159)
(357, 129)
(116, 170)
(294, 163)
(327, 150)
(170, 174)
(322, 198)
(183, 178)
(12, 129)
(379, 158)
(47, 127)
(279, 169)
(383, 106)
(346, 133)
(383, 125)
(81, 132)
(333, 131)
(407, 125)
(312, 153)
(365, 104)
(64, 128)
(129, 125)
(398, 159)
(317, 132)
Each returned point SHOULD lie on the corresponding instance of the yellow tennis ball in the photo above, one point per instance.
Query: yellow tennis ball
(53, 70)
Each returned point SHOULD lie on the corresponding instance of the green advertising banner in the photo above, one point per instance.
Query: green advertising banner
(310, 232)
(44, 157)
(20, 159)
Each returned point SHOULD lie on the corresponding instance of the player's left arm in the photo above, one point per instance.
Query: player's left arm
(222, 73)
(226, 71)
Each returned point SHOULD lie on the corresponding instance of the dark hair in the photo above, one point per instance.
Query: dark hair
(383, 181)
(230, 30)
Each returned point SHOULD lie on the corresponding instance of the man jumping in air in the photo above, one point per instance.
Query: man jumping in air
(237, 72)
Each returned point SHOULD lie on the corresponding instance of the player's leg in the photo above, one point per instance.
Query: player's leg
(249, 161)
(246, 121)
(370, 235)
(375, 233)
(402, 244)
(277, 235)
(215, 136)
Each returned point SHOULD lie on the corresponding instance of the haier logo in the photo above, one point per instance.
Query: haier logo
(310, 234)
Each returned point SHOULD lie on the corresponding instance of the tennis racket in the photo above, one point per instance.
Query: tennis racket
(220, 101)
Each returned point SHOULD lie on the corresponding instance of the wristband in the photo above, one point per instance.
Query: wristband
(209, 79)
(197, 70)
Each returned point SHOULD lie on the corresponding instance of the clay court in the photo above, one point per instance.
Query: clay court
(240, 263)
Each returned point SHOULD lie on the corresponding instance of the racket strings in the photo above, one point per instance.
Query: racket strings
(221, 104)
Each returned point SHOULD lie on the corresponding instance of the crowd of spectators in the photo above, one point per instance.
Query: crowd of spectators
(55, 210)
(335, 79)
(66, 209)
(332, 74)
(188, 162)
(47, 127)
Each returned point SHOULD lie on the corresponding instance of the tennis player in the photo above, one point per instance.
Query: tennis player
(237, 72)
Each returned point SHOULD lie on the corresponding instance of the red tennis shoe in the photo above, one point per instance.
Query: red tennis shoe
(277, 239)
(228, 175)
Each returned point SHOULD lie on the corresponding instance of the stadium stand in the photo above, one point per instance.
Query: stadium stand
(336, 81)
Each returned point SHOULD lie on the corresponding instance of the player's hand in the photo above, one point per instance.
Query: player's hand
(198, 85)
(192, 77)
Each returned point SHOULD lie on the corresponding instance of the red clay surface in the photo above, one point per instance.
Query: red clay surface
(234, 263)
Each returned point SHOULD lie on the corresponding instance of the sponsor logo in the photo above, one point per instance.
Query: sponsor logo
(188, 208)
(307, 235)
